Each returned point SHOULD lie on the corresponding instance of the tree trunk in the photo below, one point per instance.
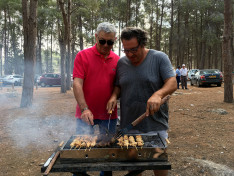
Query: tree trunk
(47, 54)
(171, 32)
(128, 13)
(119, 39)
(81, 34)
(7, 62)
(186, 40)
(227, 55)
(62, 45)
(15, 60)
(1, 45)
(151, 27)
(73, 40)
(160, 27)
(38, 58)
(51, 50)
(30, 32)
(178, 58)
(0, 59)
(157, 26)
(68, 69)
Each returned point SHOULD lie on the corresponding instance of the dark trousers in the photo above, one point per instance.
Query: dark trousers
(184, 82)
(178, 81)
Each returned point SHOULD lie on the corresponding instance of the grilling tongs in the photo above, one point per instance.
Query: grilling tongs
(123, 131)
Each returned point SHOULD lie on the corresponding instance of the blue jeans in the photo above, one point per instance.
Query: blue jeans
(178, 82)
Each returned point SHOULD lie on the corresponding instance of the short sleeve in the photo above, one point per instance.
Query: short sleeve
(78, 70)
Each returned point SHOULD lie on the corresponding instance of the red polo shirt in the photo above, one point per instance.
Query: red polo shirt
(98, 74)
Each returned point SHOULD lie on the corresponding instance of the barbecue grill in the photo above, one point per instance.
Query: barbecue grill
(151, 156)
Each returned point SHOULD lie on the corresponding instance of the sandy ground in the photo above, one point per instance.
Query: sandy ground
(201, 131)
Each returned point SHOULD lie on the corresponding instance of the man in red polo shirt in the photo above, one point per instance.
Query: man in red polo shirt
(94, 74)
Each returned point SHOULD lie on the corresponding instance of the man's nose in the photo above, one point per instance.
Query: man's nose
(129, 53)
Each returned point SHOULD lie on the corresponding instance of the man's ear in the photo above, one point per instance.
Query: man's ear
(96, 37)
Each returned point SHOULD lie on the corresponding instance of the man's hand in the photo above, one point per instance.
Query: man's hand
(153, 104)
(87, 117)
(111, 104)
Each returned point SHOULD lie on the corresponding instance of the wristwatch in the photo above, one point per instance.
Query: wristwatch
(84, 109)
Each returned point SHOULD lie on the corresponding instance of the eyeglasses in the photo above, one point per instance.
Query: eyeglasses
(103, 42)
(132, 50)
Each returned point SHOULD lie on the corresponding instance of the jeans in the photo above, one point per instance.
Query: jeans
(178, 82)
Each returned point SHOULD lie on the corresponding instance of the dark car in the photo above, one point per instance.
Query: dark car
(207, 77)
(50, 79)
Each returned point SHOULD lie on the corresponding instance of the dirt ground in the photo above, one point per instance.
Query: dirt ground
(201, 131)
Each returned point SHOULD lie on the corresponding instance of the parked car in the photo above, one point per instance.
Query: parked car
(50, 79)
(17, 80)
(1, 81)
(192, 72)
(207, 77)
(37, 78)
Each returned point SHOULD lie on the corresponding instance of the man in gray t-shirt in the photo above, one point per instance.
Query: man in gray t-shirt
(137, 84)
(144, 77)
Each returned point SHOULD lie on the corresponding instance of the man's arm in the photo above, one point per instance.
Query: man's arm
(86, 115)
(154, 102)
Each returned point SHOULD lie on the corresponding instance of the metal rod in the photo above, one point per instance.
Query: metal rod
(47, 171)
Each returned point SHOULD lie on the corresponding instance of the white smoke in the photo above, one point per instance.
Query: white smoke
(41, 131)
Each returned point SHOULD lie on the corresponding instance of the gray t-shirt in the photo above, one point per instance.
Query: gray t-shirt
(137, 84)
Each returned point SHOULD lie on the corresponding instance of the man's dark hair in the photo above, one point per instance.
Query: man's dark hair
(131, 32)
(178, 66)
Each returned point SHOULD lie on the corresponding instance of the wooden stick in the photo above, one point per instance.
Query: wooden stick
(143, 116)
(167, 140)
(51, 163)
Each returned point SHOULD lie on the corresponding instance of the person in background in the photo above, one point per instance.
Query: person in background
(178, 75)
(184, 74)
(144, 77)
(94, 74)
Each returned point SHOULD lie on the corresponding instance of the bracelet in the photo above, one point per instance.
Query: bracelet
(84, 109)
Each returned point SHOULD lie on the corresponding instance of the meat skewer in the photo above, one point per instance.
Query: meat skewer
(132, 142)
(74, 143)
(125, 141)
(139, 141)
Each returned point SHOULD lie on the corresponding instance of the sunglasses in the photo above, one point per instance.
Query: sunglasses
(132, 50)
(109, 42)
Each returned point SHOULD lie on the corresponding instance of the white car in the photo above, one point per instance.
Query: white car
(192, 72)
(17, 80)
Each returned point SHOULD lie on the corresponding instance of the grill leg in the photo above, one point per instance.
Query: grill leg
(106, 173)
(134, 173)
(80, 174)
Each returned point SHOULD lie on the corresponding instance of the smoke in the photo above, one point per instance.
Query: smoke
(41, 132)
(49, 121)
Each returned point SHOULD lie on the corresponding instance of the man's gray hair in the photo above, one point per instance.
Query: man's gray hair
(106, 27)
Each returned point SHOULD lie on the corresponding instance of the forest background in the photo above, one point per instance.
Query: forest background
(189, 31)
